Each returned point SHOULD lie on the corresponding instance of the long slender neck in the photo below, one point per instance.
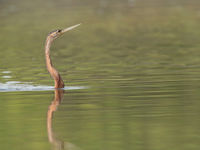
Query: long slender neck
(54, 73)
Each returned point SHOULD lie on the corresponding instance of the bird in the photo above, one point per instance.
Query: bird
(58, 81)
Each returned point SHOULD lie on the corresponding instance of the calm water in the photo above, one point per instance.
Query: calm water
(132, 71)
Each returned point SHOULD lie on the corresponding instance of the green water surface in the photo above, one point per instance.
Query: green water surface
(140, 62)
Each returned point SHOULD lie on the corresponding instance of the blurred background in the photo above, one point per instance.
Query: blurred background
(140, 62)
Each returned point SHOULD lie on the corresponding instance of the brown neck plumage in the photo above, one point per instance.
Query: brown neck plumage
(54, 73)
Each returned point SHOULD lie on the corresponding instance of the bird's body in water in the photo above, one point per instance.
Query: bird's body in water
(54, 73)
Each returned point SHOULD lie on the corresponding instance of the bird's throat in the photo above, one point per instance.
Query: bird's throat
(53, 72)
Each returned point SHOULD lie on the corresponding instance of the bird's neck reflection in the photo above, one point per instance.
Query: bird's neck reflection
(58, 96)
(57, 144)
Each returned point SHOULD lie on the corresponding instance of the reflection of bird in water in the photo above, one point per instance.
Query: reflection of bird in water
(58, 144)
(54, 73)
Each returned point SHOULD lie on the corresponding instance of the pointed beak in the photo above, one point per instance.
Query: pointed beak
(70, 28)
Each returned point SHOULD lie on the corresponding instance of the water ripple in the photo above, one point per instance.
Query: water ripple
(19, 86)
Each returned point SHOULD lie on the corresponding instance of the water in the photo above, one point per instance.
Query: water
(131, 72)
(17, 86)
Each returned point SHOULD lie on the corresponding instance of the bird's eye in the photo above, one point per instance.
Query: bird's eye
(59, 30)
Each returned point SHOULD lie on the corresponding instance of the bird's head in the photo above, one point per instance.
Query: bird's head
(57, 33)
